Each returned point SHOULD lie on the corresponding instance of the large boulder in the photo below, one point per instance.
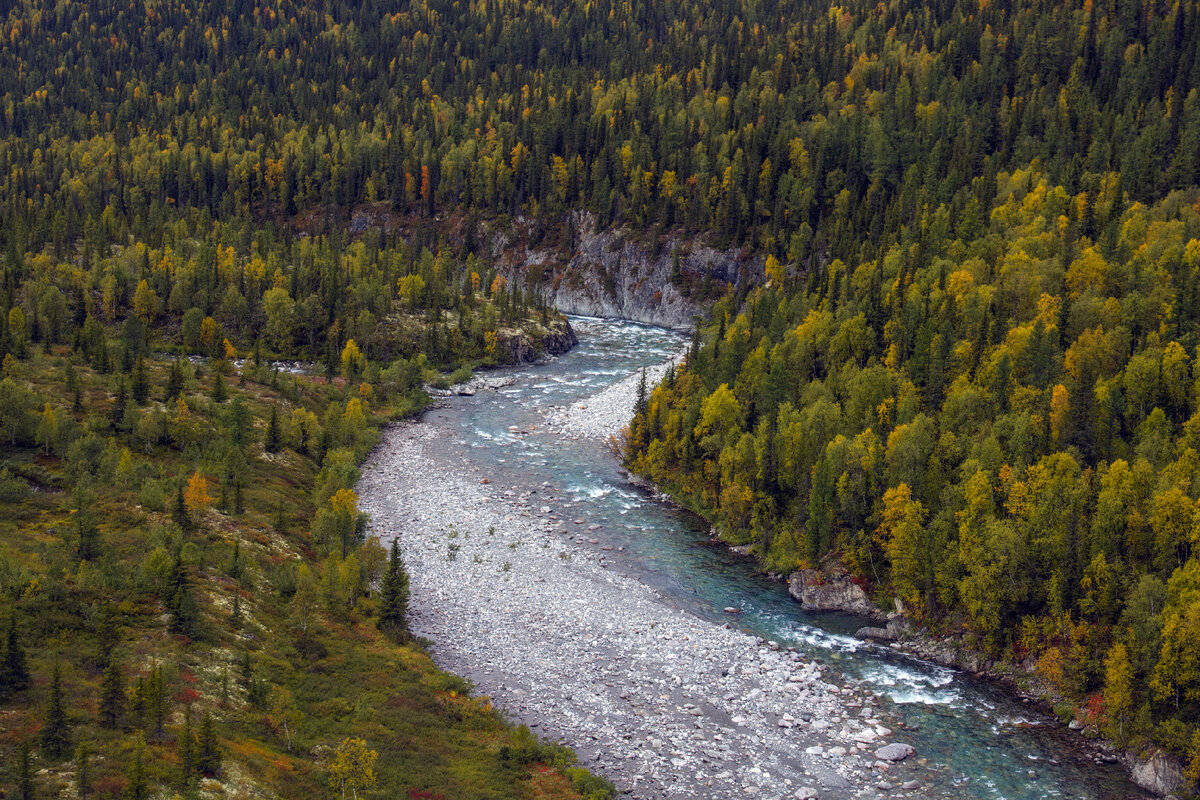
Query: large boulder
(895, 752)
(817, 591)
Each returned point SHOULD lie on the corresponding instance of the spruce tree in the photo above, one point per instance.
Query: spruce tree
(208, 755)
(639, 406)
(174, 382)
(112, 695)
(137, 785)
(235, 616)
(273, 436)
(116, 414)
(138, 706)
(14, 672)
(25, 790)
(140, 385)
(56, 733)
(83, 771)
(185, 750)
(89, 537)
(219, 393)
(180, 602)
(235, 561)
(155, 689)
(393, 614)
(179, 509)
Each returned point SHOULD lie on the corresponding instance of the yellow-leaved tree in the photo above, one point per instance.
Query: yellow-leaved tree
(352, 767)
(196, 495)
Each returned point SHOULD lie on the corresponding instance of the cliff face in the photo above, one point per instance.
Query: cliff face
(607, 274)
(527, 345)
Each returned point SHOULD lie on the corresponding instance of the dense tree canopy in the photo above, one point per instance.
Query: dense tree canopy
(969, 373)
(1001, 430)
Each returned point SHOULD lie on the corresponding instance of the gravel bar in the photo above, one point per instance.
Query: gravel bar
(662, 703)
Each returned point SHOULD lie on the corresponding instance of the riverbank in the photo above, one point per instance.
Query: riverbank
(516, 595)
(604, 416)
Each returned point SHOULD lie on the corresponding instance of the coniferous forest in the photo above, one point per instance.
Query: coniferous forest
(968, 374)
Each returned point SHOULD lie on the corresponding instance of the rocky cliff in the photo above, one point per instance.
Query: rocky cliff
(608, 273)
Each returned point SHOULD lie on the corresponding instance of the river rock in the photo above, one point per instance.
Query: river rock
(872, 632)
(895, 752)
(819, 592)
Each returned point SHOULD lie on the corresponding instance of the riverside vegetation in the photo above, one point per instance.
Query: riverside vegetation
(970, 375)
(189, 603)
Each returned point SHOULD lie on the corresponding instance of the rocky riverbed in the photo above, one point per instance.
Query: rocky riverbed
(518, 595)
(607, 413)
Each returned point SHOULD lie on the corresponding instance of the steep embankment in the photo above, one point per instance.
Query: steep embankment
(611, 273)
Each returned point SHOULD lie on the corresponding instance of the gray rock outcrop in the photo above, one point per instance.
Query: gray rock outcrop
(1159, 773)
(819, 592)
(609, 274)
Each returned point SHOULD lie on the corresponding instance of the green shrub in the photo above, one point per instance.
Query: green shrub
(13, 489)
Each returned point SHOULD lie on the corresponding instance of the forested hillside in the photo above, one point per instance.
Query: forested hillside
(969, 373)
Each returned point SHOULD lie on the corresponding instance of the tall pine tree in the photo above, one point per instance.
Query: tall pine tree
(56, 733)
(112, 695)
(14, 673)
(393, 614)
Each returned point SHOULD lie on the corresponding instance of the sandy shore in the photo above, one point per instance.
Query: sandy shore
(663, 703)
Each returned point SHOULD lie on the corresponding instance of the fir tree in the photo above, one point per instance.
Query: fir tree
(56, 733)
(112, 695)
(393, 614)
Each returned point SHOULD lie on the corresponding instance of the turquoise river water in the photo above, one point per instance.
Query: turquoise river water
(980, 743)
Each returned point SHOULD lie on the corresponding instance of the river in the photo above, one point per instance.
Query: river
(973, 739)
